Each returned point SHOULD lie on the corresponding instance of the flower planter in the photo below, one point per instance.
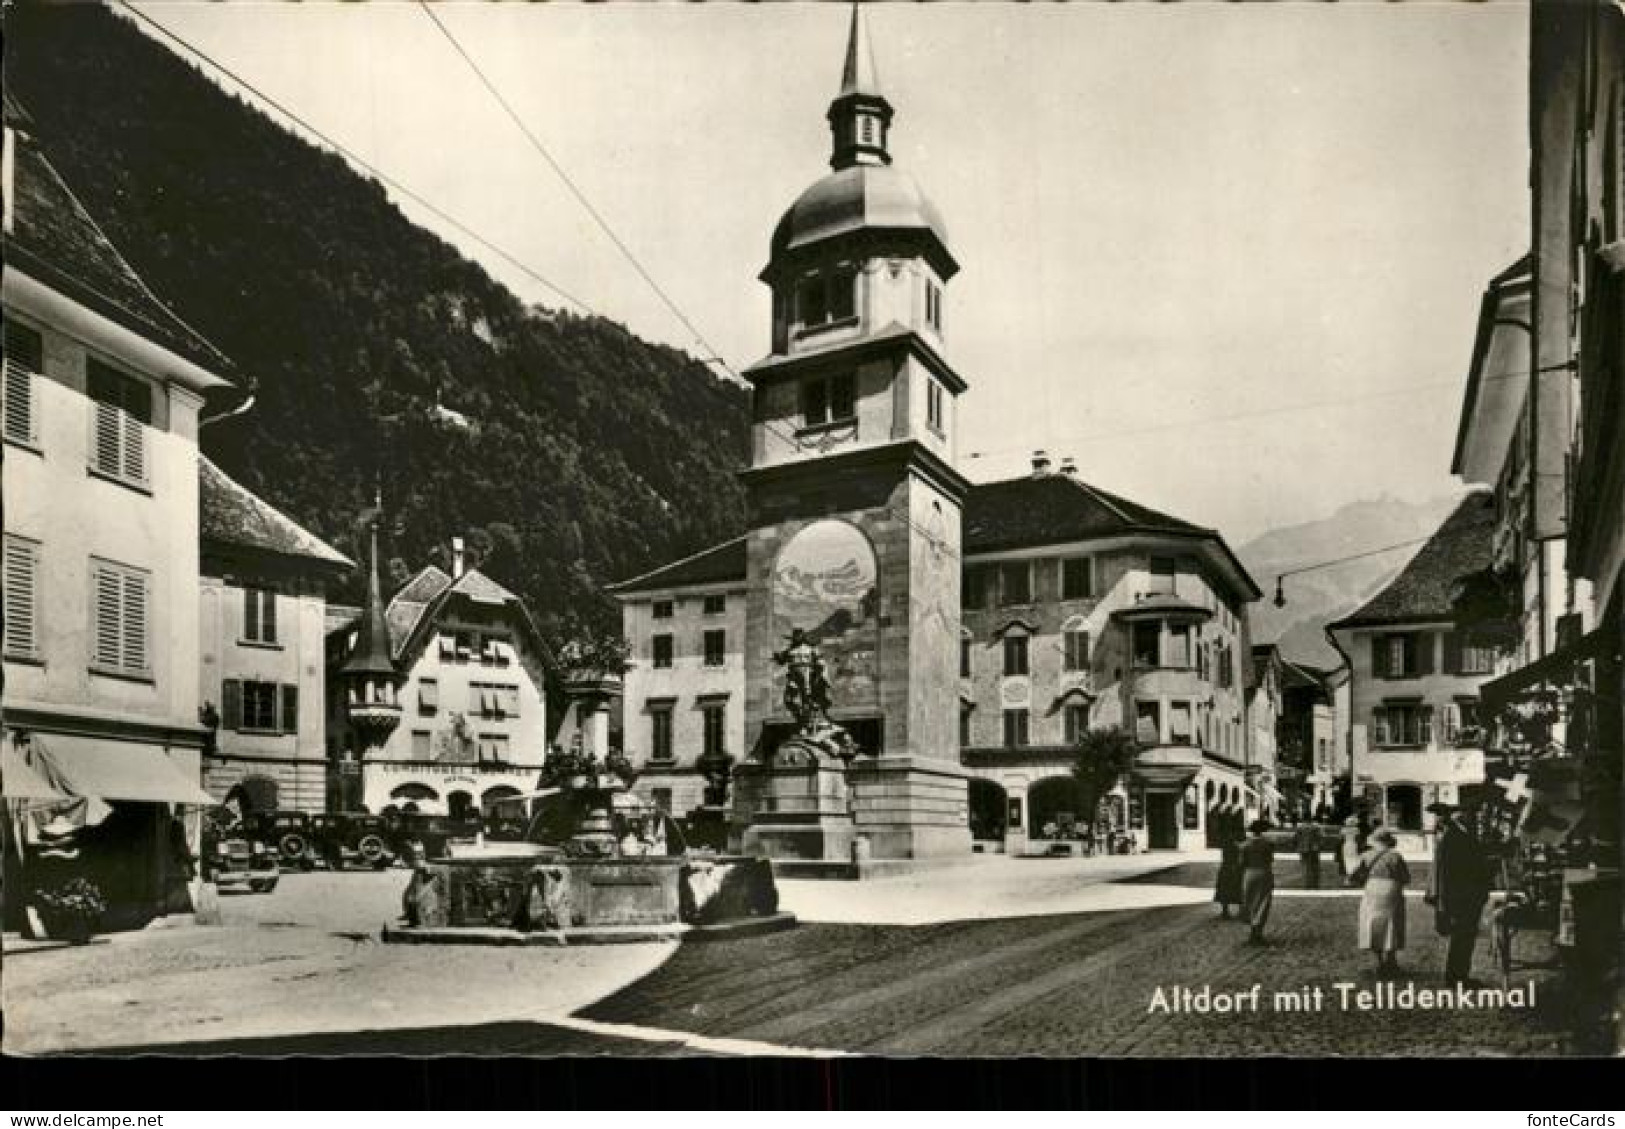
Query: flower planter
(75, 928)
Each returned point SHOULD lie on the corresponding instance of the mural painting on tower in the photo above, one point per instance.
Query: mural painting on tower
(825, 584)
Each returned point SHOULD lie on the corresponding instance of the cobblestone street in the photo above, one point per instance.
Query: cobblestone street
(300, 972)
(1070, 985)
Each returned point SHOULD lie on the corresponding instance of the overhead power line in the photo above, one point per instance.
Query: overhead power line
(575, 190)
(359, 161)
(1283, 409)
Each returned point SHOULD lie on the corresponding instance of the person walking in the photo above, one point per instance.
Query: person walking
(1227, 886)
(1257, 879)
(1348, 852)
(1383, 875)
(1307, 841)
(1458, 889)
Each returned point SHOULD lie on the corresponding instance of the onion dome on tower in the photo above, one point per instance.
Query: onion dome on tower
(864, 192)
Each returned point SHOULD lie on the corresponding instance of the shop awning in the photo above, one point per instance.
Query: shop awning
(19, 781)
(119, 770)
(1556, 668)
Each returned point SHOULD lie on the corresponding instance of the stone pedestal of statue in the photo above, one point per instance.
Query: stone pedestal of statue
(795, 805)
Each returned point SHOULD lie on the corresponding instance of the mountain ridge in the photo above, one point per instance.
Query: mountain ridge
(561, 447)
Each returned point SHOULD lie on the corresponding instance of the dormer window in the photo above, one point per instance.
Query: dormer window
(829, 399)
(826, 298)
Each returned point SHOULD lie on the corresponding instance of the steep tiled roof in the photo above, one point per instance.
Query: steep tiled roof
(481, 588)
(407, 608)
(231, 514)
(1422, 591)
(715, 565)
(1017, 513)
(54, 240)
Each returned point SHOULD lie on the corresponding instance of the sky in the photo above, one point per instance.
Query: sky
(1228, 257)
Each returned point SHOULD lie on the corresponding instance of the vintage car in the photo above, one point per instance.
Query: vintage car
(341, 838)
(289, 832)
(1285, 839)
(233, 860)
(419, 836)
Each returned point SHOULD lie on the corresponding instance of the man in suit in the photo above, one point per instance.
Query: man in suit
(1458, 890)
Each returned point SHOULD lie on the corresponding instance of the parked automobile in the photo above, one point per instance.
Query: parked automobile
(340, 838)
(289, 832)
(233, 860)
(1285, 839)
(420, 836)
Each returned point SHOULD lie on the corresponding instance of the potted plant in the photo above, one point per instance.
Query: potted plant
(71, 910)
(595, 662)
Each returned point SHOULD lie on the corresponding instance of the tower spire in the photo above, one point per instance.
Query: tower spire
(859, 75)
(373, 651)
(860, 115)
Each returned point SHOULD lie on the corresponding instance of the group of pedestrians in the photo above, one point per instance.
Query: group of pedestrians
(1458, 888)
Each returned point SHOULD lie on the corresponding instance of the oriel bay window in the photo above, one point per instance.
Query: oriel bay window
(1180, 731)
(121, 412)
(1147, 641)
(1148, 722)
(828, 399)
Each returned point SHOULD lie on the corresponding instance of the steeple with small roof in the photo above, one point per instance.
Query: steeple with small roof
(860, 115)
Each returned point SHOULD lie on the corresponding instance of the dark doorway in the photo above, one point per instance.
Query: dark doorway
(987, 810)
(1162, 820)
(461, 805)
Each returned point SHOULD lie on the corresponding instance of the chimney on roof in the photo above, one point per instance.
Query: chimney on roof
(1069, 466)
(456, 558)
(1040, 464)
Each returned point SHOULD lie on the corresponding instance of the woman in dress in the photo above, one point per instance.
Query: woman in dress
(1227, 886)
(1257, 879)
(1383, 874)
(1348, 852)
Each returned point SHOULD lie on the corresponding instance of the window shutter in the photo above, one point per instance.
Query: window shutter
(24, 357)
(251, 613)
(135, 622)
(1452, 652)
(105, 604)
(268, 615)
(1379, 726)
(108, 441)
(231, 704)
(290, 708)
(1424, 725)
(21, 597)
(1379, 656)
(1424, 652)
(1452, 724)
(135, 449)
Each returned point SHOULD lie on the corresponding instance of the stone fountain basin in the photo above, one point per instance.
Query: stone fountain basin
(500, 894)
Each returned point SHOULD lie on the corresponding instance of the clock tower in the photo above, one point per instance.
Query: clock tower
(854, 499)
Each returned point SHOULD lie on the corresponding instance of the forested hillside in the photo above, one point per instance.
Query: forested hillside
(588, 454)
